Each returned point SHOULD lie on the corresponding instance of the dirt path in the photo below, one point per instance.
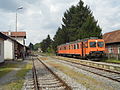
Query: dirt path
(9, 77)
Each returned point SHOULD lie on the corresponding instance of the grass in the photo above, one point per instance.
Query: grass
(50, 54)
(111, 61)
(81, 78)
(23, 71)
(6, 68)
(17, 84)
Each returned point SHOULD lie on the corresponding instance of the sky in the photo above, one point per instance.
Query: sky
(42, 17)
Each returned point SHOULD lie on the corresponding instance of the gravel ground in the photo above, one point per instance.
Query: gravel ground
(9, 77)
(106, 82)
(28, 84)
(71, 82)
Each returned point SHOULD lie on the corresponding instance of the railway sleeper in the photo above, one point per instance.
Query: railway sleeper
(53, 88)
(44, 82)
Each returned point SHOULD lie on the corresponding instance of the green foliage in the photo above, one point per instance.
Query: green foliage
(50, 50)
(36, 46)
(46, 44)
(17, 84)
(111, 61)
(78, 23)
(6, 68)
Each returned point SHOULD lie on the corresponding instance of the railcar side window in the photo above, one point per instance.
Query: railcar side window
(92, 44)
(71, 46)
(76, 46)
(100, 44)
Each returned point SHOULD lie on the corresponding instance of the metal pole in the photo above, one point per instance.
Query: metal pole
(17, 17)
(16, 20)
(16, 38)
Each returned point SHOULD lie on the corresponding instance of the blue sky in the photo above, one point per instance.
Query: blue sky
(42, 17)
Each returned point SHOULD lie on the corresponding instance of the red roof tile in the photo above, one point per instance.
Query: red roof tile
(13, 34)
(112, 37)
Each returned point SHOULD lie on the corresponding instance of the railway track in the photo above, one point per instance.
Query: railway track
(113, 75)
(45, 79)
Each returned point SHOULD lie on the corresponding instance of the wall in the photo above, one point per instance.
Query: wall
(20, 40)
(8, 49)
(113, 48)
(1, 50)
(113, 51)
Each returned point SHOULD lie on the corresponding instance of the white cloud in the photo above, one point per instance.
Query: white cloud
(107, 13)
(42, 17)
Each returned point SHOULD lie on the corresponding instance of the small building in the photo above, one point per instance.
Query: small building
(2, 38)
(14, 45)
(112, 40)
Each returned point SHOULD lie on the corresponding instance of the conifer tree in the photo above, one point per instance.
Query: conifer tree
(31, 46)
(78, 23)
(46, 43)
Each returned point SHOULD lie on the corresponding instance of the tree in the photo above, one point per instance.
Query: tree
(78, 23)
(36, 46)
(31, 46)
(46, 43)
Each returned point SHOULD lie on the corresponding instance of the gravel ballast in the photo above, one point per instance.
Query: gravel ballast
(105, 83)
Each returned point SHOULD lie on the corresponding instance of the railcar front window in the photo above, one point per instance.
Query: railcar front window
(100, 44)
(92, 44)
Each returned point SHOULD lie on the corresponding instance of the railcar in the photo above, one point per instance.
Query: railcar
(87, 48)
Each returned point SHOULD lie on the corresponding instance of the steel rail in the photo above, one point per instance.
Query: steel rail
(36, 86)
(56, 76)
(109, 71)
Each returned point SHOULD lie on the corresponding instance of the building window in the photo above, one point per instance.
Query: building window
(110, 49)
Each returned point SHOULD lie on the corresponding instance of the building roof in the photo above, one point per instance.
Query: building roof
(15, 34)
(112, 37)
(3, 36)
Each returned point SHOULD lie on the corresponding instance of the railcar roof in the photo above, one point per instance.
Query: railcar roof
(78, 41)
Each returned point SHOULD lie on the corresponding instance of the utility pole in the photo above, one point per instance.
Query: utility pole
(17, 16)
(16, 51)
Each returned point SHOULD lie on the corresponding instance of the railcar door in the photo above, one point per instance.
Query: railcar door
(82, 49)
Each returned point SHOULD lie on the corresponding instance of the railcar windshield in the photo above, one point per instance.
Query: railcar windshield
(92, 44)
(100, 44)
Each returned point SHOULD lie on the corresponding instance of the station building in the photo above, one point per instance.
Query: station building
(14, 46)
(2, 38)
